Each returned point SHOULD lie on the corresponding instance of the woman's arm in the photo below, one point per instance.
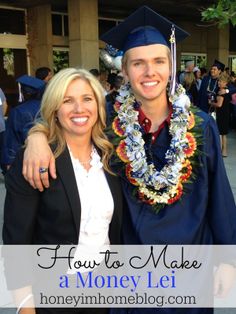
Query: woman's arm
(5, 106)
(219, 101)
(38, 155)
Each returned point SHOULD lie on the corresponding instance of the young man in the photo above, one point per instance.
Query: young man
(209, 86)
(167, 155)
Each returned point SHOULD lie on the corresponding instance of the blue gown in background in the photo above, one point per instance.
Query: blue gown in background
(20, 120)
(209, 88)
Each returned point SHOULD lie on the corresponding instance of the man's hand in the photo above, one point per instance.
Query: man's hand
(38, 155)
(224, 280)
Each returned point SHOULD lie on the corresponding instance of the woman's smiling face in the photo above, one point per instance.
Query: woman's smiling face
(79, 111)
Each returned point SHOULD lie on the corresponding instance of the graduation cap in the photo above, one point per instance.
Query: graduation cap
(146, 27)
(143, 27)
(219, 65)
(30, 85)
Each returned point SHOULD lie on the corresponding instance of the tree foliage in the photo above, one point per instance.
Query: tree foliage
(223, 12)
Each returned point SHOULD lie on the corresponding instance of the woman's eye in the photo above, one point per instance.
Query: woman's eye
(66, 101)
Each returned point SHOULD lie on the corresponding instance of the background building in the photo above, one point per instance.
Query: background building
(59, 33)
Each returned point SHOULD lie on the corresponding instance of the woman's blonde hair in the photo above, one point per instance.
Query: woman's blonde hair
(224, 77)
(189, 80)
(52, 101)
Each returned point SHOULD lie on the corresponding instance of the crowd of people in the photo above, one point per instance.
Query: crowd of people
(144, 168)
(213, 93)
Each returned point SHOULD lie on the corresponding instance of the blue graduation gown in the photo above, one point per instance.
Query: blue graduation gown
(206, 213)
(20, 120)
(203, 93)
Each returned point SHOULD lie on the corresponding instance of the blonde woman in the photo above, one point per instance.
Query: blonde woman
(83, 204)
(189, 84)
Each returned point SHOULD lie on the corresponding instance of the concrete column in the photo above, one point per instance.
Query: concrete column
(40, 48)
(83, 33)
(217, 45)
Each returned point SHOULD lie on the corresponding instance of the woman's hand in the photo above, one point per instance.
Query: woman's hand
(38, 155)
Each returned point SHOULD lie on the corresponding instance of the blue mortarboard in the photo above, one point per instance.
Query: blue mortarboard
(30, 84)
(143, 27)
(219, 65)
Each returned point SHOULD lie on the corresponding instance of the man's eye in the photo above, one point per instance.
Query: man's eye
(88, 99)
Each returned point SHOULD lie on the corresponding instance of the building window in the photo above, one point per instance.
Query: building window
(14, 64)
(12, 21)
(8, 61)
(200, 59)
(60, 59)
(232, 63)
(60, 24)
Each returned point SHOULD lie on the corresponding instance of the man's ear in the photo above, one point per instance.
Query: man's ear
(125, 75)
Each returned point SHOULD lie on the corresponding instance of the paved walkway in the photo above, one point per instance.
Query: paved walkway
(230, 164)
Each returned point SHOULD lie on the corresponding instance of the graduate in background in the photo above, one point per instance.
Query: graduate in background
(22, 117)
(167, 152)
(209, 86)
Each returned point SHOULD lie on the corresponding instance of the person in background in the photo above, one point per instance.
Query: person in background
(227, 70)
(105, 84)
(115, 86)
(233, 78)
(104, 81)
(96, 73)
(189, 66)
(232, 91)
(189, 83)
(222, 105)
(3, 110)
(22, 117)
(44, 74)
(197, 75)
(167, 153)
(203, 72)
(84, 204)
(209, 86)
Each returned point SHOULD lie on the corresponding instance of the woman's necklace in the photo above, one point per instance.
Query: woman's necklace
(155, 187)
(87, 162)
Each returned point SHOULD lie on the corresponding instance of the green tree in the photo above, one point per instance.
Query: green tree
(222, 13)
